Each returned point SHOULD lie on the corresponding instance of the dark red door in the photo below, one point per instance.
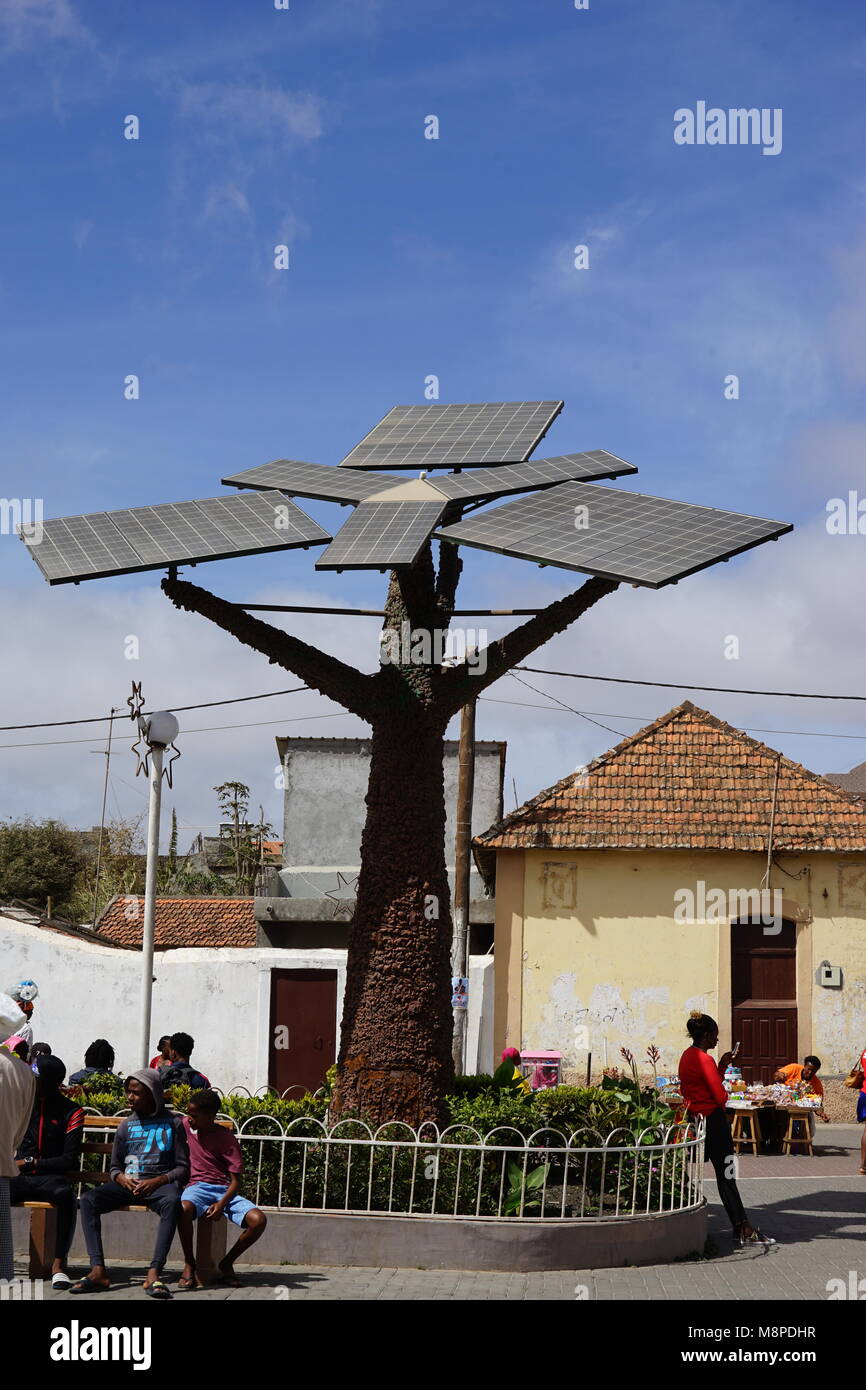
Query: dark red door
(303, 1028)
(764, 998)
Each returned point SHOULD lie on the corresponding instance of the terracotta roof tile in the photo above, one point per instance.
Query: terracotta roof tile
(686, 781)
(180, 922)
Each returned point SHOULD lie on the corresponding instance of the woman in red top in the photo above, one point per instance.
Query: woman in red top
(705, 1095)
(861, 1111)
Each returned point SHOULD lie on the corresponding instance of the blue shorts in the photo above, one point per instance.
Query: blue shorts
(861, 1107)
(203, 1195)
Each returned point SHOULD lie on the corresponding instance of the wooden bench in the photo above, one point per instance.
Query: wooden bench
(210, 1235)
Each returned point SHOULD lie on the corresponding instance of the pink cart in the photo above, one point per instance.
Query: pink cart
(542, 1069)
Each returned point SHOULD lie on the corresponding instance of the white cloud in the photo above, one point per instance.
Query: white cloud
(794, 609)
(230, 138)
(183, 659)
(81, 232)
(654, 310)
(225, 199)
(848, 323)
(28, 24)
(251, 112)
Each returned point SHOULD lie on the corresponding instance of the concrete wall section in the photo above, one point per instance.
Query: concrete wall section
(413, 1242)
(508, 1008)
(220, 996)
(324, 809)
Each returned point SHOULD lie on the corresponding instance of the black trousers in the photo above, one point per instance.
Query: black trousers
(719, 1149)
(49, 1187)
(165, 1201)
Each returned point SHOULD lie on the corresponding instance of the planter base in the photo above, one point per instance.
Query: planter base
(428, 1242)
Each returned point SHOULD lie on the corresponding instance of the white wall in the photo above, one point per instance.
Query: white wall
(219, 995)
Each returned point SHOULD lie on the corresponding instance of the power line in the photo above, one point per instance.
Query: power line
(486, 699)
(570, 708)
(533, 670)
(177, 709)
(677, 685)
(209, 729)
(649, 718)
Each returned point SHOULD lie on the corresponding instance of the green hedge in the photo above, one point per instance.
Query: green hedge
(411, 1178)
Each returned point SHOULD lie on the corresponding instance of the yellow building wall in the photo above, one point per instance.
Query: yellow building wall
(589, 952)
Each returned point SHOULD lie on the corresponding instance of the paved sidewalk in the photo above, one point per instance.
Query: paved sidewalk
(818, 1218)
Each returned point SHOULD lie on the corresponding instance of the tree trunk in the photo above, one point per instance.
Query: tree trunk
(395, 1046)
(395, 1050)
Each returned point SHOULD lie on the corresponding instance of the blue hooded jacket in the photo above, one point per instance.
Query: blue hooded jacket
(151, 1146)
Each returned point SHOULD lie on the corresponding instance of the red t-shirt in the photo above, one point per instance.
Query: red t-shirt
(213, 1156)
(863, 1069)
(700, 1082)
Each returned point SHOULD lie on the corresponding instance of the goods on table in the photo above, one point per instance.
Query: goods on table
(810, 1101)
(742, 1096)
(775, 1094)
(669, 1090)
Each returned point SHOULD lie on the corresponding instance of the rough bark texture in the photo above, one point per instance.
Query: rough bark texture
(395, 1055)
(395, 1049)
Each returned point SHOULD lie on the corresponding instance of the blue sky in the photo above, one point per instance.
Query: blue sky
(412, 257)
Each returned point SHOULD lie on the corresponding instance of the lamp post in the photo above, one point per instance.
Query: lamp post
(462, 870)
(158, 730)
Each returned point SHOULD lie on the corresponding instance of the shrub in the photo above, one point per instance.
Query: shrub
(406, 1177)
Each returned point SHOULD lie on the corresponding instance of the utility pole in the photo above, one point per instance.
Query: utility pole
(102, 815)
(462, 868)
(158, 731)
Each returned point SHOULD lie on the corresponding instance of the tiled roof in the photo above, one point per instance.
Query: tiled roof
(686, 781)
(180, 922)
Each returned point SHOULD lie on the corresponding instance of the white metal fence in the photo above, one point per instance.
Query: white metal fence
(396, 1170)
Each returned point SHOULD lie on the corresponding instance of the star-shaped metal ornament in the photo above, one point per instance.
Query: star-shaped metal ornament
(135, 701)
(141, 749)
(342, 905)
(166, 771)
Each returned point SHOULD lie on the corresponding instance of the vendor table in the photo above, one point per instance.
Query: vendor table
(798, 1134)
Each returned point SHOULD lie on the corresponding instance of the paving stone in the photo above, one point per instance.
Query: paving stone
(818, 1216)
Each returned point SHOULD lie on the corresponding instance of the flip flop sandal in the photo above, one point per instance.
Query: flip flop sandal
(60, 1280)
(88, 1285)
(188, 1283)
(157, 1289)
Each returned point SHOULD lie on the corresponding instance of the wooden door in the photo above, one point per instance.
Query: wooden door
(764, 998)
(303, 1028)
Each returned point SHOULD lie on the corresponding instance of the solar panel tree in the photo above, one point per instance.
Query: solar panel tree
(395, 1058)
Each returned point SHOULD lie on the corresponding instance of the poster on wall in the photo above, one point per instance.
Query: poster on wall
(459, 992)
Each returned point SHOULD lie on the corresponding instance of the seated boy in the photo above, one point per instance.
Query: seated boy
(180, 1071)
(216, 1167)
(149, 1166)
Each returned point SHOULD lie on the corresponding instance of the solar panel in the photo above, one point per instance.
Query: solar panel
(536, 473)
(318, 480)
(382, 535)
(140, 538)
(449, 436)
(620, 535)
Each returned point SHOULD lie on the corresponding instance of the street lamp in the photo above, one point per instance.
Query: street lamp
(158, 731)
